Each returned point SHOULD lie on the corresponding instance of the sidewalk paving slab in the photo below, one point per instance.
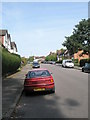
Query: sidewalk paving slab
(12, 88)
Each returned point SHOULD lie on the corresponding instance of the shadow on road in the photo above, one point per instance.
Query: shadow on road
(71, 102)
(38, 105)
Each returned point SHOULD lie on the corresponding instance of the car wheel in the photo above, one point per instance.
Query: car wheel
(53, 90)
(82, 70)
(26, 93)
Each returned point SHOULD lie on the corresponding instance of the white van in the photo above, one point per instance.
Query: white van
(67, 63)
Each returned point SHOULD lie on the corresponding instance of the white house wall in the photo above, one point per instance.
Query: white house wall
(5, 41)
(9, 44)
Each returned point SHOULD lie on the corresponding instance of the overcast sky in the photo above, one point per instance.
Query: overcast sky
(38, 28)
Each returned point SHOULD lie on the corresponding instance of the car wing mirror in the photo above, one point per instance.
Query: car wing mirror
(51, 73)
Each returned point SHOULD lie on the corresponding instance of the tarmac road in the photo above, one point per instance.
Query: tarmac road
(69, 101)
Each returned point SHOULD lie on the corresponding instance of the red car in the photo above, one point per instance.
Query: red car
(39, 80)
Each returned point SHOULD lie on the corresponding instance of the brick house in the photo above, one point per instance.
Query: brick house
(80, 55)
(39, 58)
(4, 38)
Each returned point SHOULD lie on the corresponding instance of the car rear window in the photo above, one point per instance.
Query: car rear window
(40, 73)
(35, 63)
(68, 61)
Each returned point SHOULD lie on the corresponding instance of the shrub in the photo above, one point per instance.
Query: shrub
(10, 62)
(60, 61)
(83, 61)
(75, 60)
(24, 61)
(52, 57)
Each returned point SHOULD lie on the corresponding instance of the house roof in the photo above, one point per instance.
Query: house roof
(8, 35)
(3, 32)
(13, 45)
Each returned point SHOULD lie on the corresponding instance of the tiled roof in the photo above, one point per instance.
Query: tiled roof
(3, 32)
(8, 35)
(13, 45)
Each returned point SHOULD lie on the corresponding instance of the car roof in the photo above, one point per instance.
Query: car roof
(38, 69)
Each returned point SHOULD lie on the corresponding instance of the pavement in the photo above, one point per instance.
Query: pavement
(12, 87)
(75, 67)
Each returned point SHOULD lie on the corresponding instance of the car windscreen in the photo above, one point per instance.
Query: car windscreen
(39, 73)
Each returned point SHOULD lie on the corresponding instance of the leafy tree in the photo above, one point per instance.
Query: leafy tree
(80, 39)
(52, 57)
(24, 61)
(31, 58)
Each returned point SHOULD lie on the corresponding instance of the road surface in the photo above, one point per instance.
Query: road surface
(69, 101)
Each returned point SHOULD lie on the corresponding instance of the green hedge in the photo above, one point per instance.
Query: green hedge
(60, 61)
(51, 57)
(83, 61)
(10, 62)
(24, 61)
(75, 60)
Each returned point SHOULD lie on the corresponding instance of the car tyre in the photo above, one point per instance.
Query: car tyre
(26, 93)
(82, 70)
(53, 90)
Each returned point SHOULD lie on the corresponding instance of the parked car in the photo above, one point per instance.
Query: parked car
(86, 68)
(39, 80)
(67, 63)
(45, 62)
(53, 62)
(35, 65)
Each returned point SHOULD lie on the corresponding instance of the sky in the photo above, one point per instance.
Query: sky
(40, 27)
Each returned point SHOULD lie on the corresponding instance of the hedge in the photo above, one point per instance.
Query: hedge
(51, 58)
(75, 60)
(10, 62)
(24, 61)
(83, 61)
(60, 61)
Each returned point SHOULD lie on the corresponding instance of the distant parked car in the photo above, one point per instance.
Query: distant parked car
(53, 62)
(28, 62)
(44, 62)
(67, 63)
(35, 65)
(86, 68)
(39, 80)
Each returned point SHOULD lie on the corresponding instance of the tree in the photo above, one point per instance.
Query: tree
(71, 44)
(31, 58)
(52, 57)
(80, 39)
(24, 61)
